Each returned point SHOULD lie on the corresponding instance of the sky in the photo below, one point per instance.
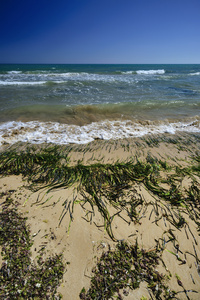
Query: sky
(100, 31)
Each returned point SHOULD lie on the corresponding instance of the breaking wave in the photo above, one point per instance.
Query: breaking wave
(196, 73)
(150, 72)
(52, 132)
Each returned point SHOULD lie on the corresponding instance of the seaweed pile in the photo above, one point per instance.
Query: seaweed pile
(20, 278)
(124, 269)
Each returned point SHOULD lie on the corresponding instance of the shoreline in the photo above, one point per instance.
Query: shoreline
(84, 130)
(166, 146)
(85, 233)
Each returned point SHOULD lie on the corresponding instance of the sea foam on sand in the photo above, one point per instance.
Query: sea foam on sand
(57, 133)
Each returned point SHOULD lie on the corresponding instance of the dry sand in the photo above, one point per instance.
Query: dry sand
(83, 241)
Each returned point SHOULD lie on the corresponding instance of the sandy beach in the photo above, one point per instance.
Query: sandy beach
(158, 210)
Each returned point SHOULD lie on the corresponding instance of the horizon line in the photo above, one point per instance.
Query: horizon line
(64, 63)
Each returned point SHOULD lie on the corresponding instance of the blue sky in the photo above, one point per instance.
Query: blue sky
(100, 31)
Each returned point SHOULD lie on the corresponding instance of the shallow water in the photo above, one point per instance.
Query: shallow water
(77, 103)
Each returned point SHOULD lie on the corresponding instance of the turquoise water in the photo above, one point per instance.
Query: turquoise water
(78, 103)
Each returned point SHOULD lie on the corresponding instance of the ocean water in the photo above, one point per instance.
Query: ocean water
(78, 103)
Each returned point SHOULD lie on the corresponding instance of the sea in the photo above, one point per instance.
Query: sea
(78, 103)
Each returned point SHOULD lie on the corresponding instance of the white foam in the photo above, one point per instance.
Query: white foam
(151, 72)
(128, 72)
(197, 73)
(51, 132)
(43, 77)
(14, 72)
(21, 82)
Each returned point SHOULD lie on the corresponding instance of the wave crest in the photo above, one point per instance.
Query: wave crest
(150, 72)
(196, 73)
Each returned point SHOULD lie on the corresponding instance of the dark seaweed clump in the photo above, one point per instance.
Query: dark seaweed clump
(123, 269)
(19, 277)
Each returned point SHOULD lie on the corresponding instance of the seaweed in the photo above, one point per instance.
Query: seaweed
(20, 278)
(102, 185)
(123, 269)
